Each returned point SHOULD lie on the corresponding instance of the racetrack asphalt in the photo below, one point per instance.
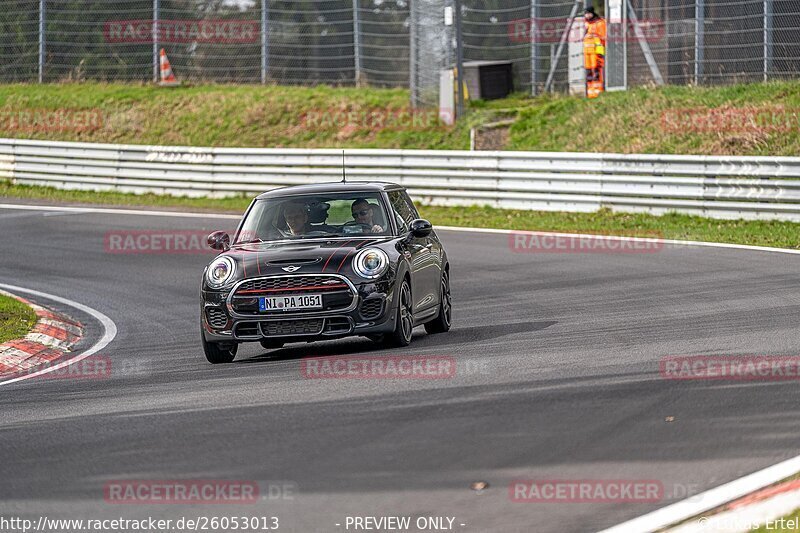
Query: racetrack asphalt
(557, 378)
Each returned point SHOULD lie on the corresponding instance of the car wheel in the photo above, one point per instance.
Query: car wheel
(404, 325)
(271, 344)
(442, 323)
(218, 352)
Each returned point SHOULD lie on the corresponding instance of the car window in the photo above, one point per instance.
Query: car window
(402, 209)
(315, 216)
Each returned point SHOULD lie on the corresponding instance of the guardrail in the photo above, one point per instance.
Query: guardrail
(719, 187)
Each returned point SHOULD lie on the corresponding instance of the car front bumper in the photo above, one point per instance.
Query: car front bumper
(372, 312)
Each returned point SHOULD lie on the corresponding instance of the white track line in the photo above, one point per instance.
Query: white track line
(142, 212)
(109, 331)
(710, 499)
(112, 211)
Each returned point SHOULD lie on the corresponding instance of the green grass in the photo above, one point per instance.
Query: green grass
(228, 115)
(648, 120)
(16, 319)
(671, 226)
(314, 117)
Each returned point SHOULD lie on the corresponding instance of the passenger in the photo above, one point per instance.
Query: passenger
(364, 213)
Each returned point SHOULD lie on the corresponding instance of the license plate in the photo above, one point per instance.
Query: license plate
(289, 303)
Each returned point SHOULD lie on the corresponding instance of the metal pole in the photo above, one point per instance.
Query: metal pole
(42, 8)
(534, 49)
(699, 39)
(412, 53)
(767, 38)
(564, 36)
(156, 10)
(357, 42)
(459, 60)
(264, 40)
(648, 53)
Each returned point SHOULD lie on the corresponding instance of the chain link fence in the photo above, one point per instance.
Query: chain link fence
(237, 41)
(394, 43)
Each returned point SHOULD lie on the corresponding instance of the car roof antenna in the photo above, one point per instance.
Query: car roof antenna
(344, 174)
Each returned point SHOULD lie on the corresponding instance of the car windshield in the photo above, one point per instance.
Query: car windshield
(314, 216)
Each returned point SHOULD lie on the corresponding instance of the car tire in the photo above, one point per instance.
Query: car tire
(404, 323)
(442, 322)
(217, 352)
(271, 344)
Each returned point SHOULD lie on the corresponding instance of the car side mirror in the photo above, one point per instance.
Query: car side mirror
(421, 228)
(219, 240)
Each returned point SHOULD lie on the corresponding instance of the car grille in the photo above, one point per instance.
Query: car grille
(336, 293)
(371, 308)
(289, 285)
(216, 317)
(291, 327)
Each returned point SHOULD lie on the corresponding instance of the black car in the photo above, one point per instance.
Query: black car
(325, 261)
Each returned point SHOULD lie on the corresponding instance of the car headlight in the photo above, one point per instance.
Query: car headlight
(371, 263)
(220, 271)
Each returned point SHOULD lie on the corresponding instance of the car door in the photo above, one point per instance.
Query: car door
(424, 272)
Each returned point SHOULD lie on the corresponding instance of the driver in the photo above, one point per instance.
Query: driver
(364, 214)
(296, 216)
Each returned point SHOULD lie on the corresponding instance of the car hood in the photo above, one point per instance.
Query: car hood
(331, 256)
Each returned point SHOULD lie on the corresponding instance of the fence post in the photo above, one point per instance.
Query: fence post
(357, 43)
(264, 40)
(767, 38)
(156, 9)
(412, 53)
(534, 50)
(699, 39)
(42, 43)
(459, 60)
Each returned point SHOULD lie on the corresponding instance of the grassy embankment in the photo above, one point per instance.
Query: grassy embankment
(16, 319)
(642, 120)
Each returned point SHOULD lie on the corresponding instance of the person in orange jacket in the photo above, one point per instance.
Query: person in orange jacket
(594, 52)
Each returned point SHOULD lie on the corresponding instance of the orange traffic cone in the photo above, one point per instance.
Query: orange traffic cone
(167, 77)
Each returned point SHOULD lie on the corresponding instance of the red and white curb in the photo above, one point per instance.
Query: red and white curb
(765, 508)
(52, 338)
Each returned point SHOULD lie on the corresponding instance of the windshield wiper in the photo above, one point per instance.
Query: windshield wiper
(251, 241)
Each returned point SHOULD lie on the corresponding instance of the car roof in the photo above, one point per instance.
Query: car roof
(330, 187)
